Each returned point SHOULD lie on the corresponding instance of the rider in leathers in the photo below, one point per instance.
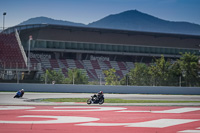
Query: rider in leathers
(99, 95)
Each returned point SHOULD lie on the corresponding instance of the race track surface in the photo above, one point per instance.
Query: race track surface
(26, 115)
(6, 98)
(98, 119)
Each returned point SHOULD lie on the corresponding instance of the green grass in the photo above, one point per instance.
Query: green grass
(65, 100)
(114, 100)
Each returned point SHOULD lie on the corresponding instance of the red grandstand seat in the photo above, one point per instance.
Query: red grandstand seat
(10, 51)
(94, 72)
(119, 72)
(108, 64)
(78, 64)
(90, 75)
(95, 64)
(54, 63)
(65, 63)
(121, 66)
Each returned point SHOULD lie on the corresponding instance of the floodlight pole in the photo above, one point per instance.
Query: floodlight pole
(127, 78)
(29, 48)
(17, 77)
(73, 76)
(100, 79)
(45, 78)
(4, 14)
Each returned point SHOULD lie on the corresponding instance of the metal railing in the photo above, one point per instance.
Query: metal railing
(21, 47)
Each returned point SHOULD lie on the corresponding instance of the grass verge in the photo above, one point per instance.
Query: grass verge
(114, 100)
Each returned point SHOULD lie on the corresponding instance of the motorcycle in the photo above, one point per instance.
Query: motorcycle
(95, 99)
(19, 94)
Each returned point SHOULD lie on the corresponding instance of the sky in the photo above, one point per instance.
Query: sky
(88, 11)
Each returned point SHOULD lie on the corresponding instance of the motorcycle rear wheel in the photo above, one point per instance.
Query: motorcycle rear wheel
(101, 101)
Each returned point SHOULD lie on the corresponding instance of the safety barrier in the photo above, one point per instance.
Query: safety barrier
(65, 88)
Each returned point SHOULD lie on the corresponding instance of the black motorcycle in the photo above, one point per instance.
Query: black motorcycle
(96, 99)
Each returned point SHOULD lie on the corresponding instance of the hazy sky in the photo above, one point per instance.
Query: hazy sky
(87, 11)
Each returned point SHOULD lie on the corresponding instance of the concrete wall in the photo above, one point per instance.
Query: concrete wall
(95, 88)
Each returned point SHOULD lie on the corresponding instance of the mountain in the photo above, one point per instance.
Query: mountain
(138, 21)
(45, 20)
(129, 20)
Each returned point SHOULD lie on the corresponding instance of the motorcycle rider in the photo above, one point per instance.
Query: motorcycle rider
(22, 92)
(96, 98)
(19, 93)
(99, 94)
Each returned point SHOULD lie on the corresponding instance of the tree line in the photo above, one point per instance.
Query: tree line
(161, 72)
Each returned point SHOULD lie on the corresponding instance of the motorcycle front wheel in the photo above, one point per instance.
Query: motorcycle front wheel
(89, 101)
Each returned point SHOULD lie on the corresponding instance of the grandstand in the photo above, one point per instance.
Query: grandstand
(12, 56)
(90, 49)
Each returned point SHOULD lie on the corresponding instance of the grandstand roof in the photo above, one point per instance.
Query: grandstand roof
(108, 36)
(100, 30)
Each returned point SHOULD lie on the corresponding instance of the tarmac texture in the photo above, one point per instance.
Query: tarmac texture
(6, 98)
(22, 115)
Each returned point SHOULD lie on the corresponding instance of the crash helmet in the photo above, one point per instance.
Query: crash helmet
(22, 89)
(100, 92)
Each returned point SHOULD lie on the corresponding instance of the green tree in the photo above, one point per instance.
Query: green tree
(110, 77)
(160, 72)
(139, 75)
(184, 71)
(76, 76)
(51, 75)
(125, 80)
(189, 68)
(175, 76)
(96, 82)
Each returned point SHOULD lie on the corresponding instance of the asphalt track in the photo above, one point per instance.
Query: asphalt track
(25, 115)
(6, 98)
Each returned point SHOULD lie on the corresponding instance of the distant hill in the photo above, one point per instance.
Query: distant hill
(45, 20)
(138, 21)
(129, 20)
